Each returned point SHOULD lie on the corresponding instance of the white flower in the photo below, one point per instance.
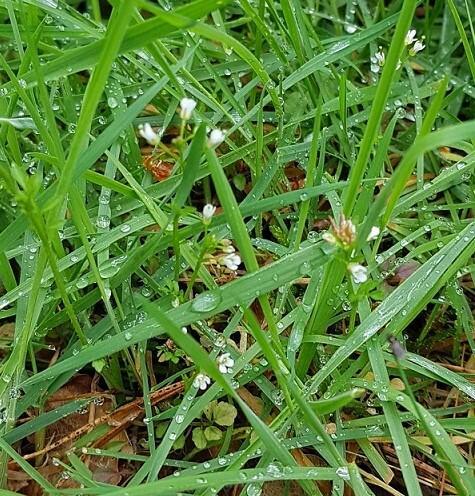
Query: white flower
(208, 211)
(373, 234)
(147, 132)
(201, 381)
(358, 273)
(229, 249)
(410, 37)
(377, 60)
(329, 238)
(375, 68)
(224, 362)
(232, 261)
(215, 138)
(418, 46)
(187, 106)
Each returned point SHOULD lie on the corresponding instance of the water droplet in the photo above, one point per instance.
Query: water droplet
(112, 102)
(103, 221)
(82, 282)
(206, 302)
(104, 199)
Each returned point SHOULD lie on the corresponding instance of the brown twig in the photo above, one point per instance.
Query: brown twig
(119, 419)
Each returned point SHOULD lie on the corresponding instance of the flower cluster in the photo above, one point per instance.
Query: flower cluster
(224, 362)
(343, 234)
(377, 60)
(414, 45)
(230, 258)
(187, 106)
(417, 45)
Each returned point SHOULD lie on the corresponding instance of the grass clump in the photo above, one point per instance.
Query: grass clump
(237, 247)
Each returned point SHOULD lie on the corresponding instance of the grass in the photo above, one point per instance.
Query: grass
(340, 360)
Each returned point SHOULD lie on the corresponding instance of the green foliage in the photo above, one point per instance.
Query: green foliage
(279, 330)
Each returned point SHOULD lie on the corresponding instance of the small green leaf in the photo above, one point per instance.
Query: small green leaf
(224, 414)
(212, 433)
(239, 181)
(209, 410)
(199, 438)
(19, 122)
(161, 429)
(179, 443)
(98, 365)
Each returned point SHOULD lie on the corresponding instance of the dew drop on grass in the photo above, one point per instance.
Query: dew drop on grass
(146, 291)
(104, 199)
(103, 221)
(253, 490)
(82, 282)
(274, 470)
(343, 472)
(125, 228)
(206, 302)
(312, 236)
(112, 102)
(108, 270)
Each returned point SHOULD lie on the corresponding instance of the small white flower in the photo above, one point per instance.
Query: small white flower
(201, 381)
(410, 37)
(208, 211)
(375, 68)
(187, 106)
(329, 238)
(373, 234)
(232, 261)
(358, 273)
(229, 249)
(377, 60)
(147, 132)
(224, 362)
(418, 46)
(226, 246)
(215, 138)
